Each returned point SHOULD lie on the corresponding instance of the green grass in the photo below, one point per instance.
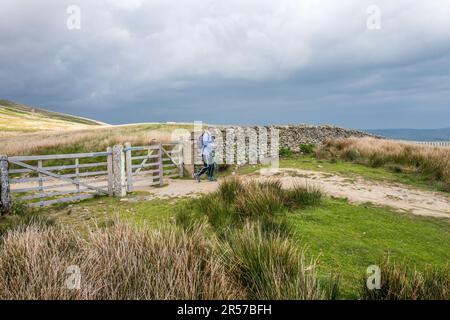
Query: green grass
(105, 210)
(349, 238)
(21, 215)
(353, 170)
(346, 237)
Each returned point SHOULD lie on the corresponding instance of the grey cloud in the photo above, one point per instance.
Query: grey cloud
(236, 61)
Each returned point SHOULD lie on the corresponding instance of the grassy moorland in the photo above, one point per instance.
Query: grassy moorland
(25, 130)
(245, 241)
(86, 140)
(355, 170)
(421, 163)
(264, 241)
(16, 118)
(418, 166)
(348, 238)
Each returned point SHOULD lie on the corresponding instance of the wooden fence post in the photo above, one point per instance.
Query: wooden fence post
(5, 195)
(109, 161)
(161, 167)
(188, 144)
(41, 183)
(129, 167)
(120, 187)
(181, 159)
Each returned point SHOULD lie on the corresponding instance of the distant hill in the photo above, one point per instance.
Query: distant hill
(16, 118)
(414, 134)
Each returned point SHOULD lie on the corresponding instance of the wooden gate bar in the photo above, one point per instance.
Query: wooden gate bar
(58, 156)
(54, 175)
(161, 169)
(62, 200)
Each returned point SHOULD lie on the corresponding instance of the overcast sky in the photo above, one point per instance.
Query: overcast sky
(233, 61)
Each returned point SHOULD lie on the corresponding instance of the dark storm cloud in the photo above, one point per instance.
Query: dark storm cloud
(288, 61)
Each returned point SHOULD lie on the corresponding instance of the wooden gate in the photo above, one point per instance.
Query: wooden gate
(149, 165)
(48, 179)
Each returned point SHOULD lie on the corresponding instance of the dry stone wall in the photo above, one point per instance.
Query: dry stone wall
(292, 136)
(238, 150)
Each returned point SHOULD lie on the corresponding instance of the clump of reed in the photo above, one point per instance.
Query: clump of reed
(398, 282)
(270, 266)
(432, 162)
(249, 219)
(233, 244)
(119, 262)
(236, 202)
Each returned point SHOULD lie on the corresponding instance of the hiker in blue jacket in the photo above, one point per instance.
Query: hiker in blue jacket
(207, 147)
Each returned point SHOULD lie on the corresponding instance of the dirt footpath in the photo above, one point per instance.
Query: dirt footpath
(397, 196)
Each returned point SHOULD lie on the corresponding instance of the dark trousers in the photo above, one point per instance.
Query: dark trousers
(206, 168)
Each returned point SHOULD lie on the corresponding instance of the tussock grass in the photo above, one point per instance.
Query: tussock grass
(260, 199)
(250, 222)
(236, 202)
(130, 263)
(432, 162)
(220, 214)
(401, 283)
(119, 262)
(126, 262)
(271, 267)
(230, 188)
(303, 195)
(33, 261)
(260, 256)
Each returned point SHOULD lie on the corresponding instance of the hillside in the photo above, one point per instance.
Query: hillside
(17, 118)
(414, 134)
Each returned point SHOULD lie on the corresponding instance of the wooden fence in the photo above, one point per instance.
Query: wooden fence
(431, 143)
(44, 180)
(49, 179)
(427, 143)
